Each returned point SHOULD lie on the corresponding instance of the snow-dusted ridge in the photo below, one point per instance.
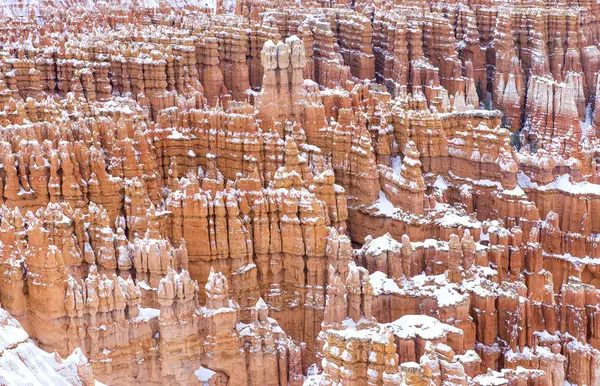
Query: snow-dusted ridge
(23, 363)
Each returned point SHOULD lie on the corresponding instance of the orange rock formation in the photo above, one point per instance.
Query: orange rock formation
(321, 193)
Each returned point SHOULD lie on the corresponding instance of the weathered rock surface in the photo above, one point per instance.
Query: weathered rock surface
(320, 193)
(23, 363)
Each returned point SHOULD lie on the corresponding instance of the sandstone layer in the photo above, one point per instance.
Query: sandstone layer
(319, 192)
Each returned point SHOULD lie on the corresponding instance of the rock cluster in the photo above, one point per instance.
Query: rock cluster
(23, 363)
(320, 193)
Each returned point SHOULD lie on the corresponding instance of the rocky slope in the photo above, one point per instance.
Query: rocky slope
(320, 193)
(23, 363)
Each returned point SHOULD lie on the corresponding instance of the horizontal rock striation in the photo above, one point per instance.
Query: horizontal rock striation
(321, 193)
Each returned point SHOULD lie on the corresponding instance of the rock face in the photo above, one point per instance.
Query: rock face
(23, 363)
(321, 193)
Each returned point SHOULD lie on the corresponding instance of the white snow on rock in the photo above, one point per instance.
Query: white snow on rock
(406, 328)
(517, 191)
(422, 326)
(11, 332)
(383, 244)
(448, 296)
(396, 162)
(203, 374)
(377, 333)
(383, 285)
(576, 261)
(23, 363)
(142, 284)
(18, 8)
(451, 219)
(171, 3)
(384, 205)
(22, 8)
(175, 134)
(492, 378)
(562, 183)
(470, 356)
(440, 183)
(147, 313)
(438, 287)
(484, 236)
(310, 83)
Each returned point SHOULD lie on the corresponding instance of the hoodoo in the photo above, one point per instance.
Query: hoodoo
(311, 192)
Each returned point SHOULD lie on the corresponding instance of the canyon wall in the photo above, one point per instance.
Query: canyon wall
(317, 192)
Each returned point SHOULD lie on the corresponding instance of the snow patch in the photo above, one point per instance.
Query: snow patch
(396, 163)
(453, 220)
(203, 374)
(384, 205)
(562, 183)
(383, 285)
(147, 313)
(382, 244)
(440, 183)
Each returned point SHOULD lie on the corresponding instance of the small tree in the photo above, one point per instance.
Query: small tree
(533, 145)
(515, 140)
(479, 89)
